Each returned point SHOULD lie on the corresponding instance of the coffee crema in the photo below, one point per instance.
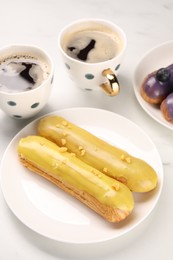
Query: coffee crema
(21, 73)
(93, 46)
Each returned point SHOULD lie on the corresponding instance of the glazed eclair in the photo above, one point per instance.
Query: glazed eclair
(108, 197)
(138, 175)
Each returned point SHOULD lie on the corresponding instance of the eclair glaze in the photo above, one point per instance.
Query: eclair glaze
(65, 166)
(138, 175)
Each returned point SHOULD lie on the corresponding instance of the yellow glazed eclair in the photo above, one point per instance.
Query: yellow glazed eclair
(138, 175)
(106, 196)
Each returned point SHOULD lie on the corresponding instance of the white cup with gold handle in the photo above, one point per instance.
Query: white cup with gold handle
(92, 51)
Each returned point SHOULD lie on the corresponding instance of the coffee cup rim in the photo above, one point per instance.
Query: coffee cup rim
(108, 22)
(48, 57)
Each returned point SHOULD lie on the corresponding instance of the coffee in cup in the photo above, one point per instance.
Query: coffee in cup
(20, 73)
(93, 46)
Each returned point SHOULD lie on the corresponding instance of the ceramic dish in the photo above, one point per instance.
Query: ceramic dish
(51, 212)
(156, 58)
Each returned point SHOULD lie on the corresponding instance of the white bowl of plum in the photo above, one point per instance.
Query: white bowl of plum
(153, 83)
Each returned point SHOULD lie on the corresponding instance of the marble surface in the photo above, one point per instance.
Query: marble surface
(146, 23)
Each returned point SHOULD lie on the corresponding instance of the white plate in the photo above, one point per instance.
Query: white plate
(154, 59)
(54, 214)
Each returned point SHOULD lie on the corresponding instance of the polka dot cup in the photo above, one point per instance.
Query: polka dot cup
(25, 103)
(86, 46)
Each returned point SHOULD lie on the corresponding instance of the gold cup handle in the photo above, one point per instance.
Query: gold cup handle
(111, 87)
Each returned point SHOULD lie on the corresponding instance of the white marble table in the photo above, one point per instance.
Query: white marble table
(146, 23)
